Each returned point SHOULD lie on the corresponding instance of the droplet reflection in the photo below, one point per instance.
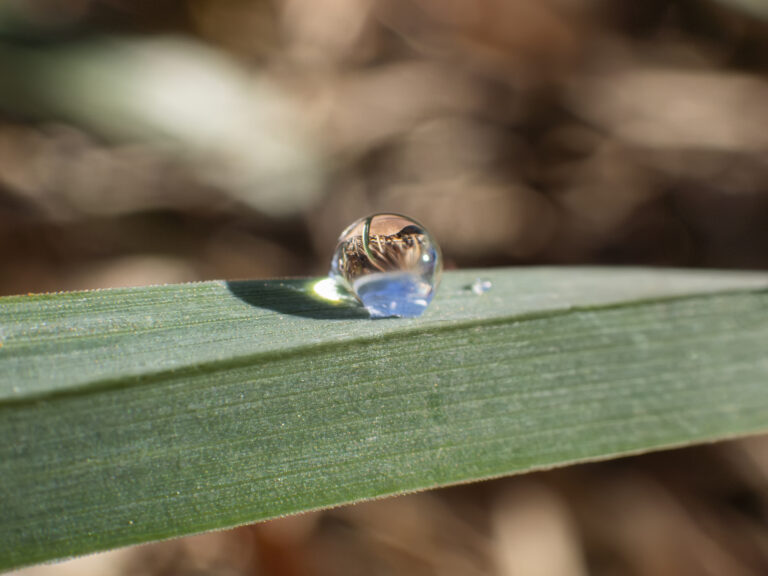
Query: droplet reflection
(390, 263)
(328, 289)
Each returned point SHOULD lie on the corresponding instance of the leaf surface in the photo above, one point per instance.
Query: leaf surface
(133, 415)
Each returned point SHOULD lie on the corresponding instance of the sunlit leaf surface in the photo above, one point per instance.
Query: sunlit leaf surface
(139, 414)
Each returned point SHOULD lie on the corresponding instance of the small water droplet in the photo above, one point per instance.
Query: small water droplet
(481, 286)
(390, 263)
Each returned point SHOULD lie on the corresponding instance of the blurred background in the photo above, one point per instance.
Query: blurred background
(154, 141)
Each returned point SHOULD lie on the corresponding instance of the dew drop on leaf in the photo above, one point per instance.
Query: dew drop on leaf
(390, 263)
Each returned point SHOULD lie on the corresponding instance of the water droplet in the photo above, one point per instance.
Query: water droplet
(481, 286)
(390, 263)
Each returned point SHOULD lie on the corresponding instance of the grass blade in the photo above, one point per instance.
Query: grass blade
(139, 414)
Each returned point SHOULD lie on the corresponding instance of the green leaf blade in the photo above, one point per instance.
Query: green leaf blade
(142, 414)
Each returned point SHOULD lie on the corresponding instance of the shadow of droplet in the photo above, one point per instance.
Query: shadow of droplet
(294, 297)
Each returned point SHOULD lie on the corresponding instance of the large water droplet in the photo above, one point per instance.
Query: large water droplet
(390, 263)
